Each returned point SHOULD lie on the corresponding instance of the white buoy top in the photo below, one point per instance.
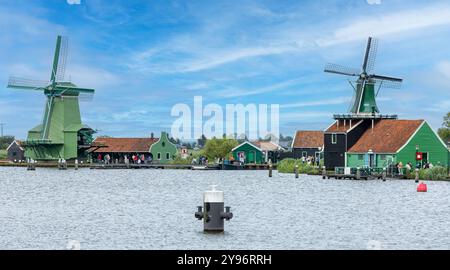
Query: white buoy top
(213, 195)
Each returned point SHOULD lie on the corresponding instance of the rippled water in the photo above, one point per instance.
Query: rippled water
(154, 209)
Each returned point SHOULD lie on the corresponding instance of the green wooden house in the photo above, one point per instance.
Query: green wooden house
(391, 141)
(163, 151)
(250, 153)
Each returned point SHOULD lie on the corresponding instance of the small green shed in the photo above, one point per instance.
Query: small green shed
(248, 152)
(163, 151)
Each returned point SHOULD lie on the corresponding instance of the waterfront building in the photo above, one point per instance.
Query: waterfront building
(308, 143)
(271, 150)
(15, 151)
(248, 153)
(119, 148)
(391, 141)
(163, 150)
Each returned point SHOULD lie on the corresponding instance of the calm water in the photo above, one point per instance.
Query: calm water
(154, 209)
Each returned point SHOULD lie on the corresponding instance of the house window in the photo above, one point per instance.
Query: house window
(360, 157)
(167, 155)
(382, 157)
(159, 156)
(304, 154)
(333, 138)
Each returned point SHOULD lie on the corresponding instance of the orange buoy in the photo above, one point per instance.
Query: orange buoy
(422, 187)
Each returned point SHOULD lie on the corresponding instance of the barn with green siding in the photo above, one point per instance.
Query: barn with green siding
(250, 153)
(391, 141)
(163, 151)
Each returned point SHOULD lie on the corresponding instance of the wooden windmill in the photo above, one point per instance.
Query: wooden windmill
(61, 133)
(363, 102)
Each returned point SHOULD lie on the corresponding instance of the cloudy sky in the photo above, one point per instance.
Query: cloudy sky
(143, 57)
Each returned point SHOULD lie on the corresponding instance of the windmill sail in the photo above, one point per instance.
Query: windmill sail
(22, 83)
(60, 59)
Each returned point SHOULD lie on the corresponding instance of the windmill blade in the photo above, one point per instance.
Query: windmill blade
(60, 72)
(386, 78)
(389, 83)
(74, 89)
(366, 55)
(372, 55)
(338, 69)
(60, 59)
(22, 83)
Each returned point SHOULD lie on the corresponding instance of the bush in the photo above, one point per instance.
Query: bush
(435, 173)
(3, 154)
(287, 165)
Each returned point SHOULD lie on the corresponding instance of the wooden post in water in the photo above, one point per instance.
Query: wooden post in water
(383, 174)
(358, 173)
(270, 170)
(296, 170)
(416, 172)
(76, 164)
(324, 172)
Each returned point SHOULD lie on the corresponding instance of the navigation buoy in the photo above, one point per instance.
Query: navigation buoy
(422, 187)
(213, 213)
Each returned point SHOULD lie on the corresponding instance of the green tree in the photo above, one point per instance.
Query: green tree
(5, 141)
(218, 148)
(444, 131)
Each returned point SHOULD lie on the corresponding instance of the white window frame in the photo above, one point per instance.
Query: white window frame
(333, 138)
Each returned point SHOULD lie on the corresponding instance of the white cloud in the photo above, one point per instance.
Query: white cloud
(74, 2)
(393, 23)
(333, 101)
(84, 76)
(243, 92)
(374, 2)
(191, 55)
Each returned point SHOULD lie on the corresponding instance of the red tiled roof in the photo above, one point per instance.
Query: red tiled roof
(387, 136)
(267, 146)
(123, 145)
(341, 127)
(308, 139)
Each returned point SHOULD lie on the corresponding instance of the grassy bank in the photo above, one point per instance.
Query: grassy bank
(3, 154)
(287, 165)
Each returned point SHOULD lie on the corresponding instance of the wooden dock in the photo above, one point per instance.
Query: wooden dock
(179, 166)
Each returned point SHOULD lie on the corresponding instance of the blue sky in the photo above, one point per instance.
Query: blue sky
(143, 57)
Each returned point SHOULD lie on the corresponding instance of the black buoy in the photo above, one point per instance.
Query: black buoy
(270, 170)
(416, 174)
(296, 170)
(212, 212)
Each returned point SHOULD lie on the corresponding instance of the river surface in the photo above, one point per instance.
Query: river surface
(154, 209)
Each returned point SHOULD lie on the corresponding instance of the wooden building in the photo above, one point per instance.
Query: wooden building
(271, 150)
(341, 136)
(308, 143)
(391, 141)
(119, 148)
(15, 151)
(163, 150)
(249, 153)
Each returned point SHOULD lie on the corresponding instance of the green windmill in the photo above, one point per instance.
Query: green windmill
(363, 102)
(61, 133)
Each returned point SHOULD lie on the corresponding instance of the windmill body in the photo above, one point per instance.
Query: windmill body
(61, 133)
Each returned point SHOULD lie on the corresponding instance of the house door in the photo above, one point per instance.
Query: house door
(251, 157)
(371, 160)
(424, 158)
